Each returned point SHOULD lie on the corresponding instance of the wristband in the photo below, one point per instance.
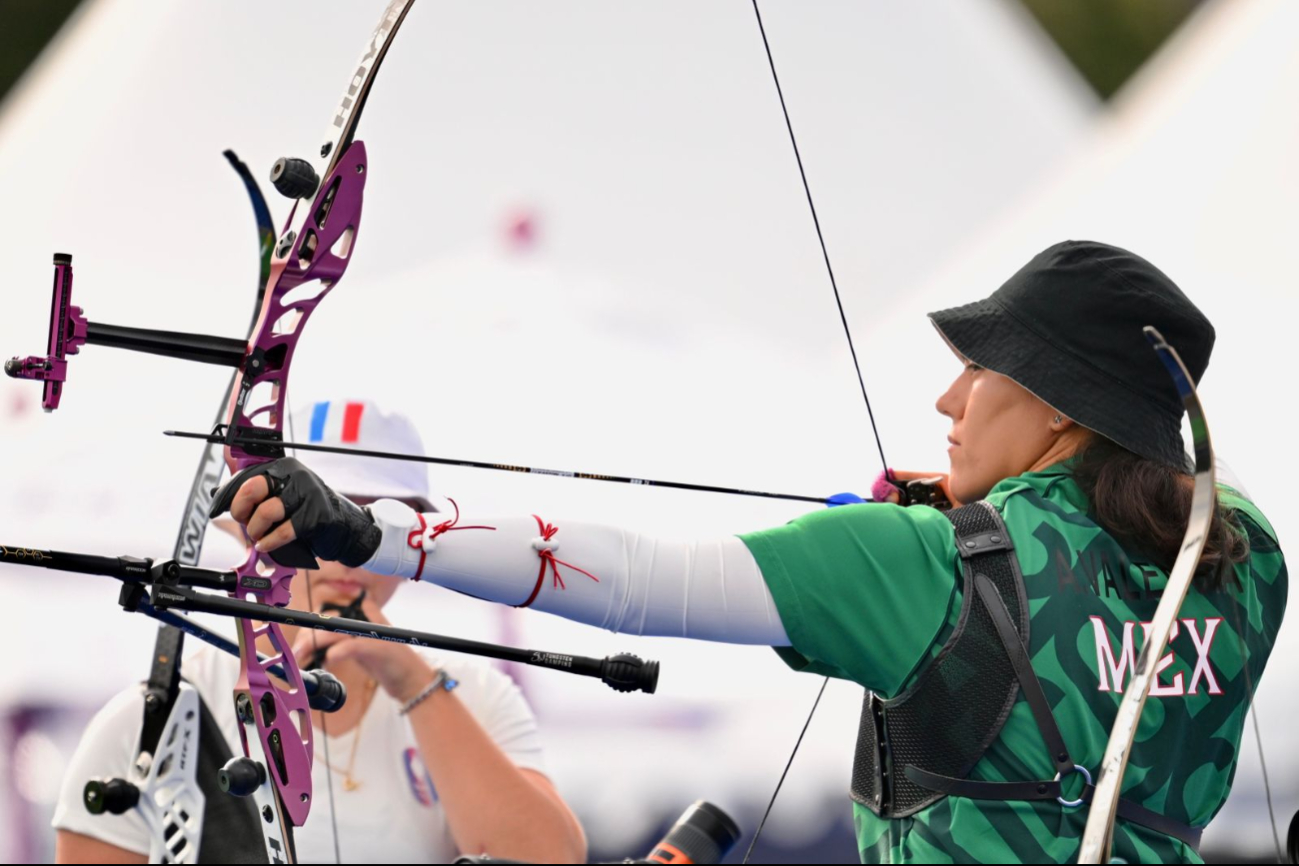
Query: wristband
(395, 555)
(440, 681)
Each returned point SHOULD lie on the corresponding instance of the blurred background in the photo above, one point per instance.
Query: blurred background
(586, 246)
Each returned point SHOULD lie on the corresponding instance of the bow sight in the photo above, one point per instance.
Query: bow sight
(70, 330)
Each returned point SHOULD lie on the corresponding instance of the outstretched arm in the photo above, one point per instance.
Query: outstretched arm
(860, 592)
(70, 847)
(612, 578)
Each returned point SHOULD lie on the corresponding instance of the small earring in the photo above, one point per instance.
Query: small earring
(1058, 419)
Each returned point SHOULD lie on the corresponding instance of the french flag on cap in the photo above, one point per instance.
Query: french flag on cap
(336, 422)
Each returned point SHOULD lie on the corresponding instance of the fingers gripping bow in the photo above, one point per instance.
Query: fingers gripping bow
(324, 523)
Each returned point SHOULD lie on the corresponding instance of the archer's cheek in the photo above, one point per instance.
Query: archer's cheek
(964, 482)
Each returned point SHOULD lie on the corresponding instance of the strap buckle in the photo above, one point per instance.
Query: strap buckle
(1073, 804)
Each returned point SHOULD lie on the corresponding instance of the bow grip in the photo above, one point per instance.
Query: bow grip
(295, 554)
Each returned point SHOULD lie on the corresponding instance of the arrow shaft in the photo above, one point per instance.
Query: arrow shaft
(504, 467)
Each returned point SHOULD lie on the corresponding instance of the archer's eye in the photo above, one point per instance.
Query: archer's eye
(972, 367)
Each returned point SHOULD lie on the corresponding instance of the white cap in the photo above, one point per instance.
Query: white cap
(361, 424)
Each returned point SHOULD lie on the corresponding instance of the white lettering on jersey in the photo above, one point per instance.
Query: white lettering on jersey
(1202, 647)
(1177, 687)
(1105, 655)
(1115, 669)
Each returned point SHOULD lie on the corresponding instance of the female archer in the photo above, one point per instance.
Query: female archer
(994, 640)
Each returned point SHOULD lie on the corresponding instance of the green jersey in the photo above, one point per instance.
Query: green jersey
(871, 593)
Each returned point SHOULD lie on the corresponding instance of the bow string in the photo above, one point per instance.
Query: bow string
(852, 349)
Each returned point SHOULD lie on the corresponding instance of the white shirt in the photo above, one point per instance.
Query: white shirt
(392, 817)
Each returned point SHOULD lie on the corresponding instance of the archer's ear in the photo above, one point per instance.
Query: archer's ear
(1059, 421)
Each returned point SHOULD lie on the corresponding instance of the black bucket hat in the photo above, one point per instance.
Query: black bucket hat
(1068, 327)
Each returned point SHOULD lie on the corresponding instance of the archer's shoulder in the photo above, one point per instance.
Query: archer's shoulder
(1266, 564)
(876, 520)
(1247, 513)
(210, 671)
(1051, 490)
(844, 543)
(121, 717)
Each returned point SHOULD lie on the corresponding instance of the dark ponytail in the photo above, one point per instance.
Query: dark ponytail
(1145, 504)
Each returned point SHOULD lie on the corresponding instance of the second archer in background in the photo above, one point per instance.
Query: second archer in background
(428, 758)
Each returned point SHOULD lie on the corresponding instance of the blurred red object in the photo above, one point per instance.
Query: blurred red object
(521, 230)
(19, 405)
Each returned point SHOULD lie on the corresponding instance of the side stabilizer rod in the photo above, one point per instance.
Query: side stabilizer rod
(169, 585)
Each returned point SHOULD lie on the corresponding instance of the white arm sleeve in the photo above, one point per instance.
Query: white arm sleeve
(711, 590)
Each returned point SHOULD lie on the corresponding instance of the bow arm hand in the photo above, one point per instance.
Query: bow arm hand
(599, 575)
(320, 522)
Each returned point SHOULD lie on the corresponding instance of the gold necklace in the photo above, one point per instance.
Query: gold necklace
(350, 784)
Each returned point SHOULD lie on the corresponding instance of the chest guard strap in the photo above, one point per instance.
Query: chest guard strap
(920, 746)
(947, 719)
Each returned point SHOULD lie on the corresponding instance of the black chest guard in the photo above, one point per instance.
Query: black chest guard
(949, 717)
(919, 747)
